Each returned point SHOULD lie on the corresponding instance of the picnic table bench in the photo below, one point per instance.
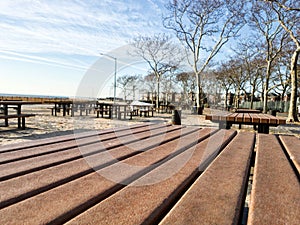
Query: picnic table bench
(17, 106)
(151, 174)
(262, 121)
(21, 125)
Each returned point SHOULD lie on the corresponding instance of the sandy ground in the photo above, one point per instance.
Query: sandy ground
(45, 125)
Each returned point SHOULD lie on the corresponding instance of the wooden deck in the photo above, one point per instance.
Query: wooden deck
(151, 174)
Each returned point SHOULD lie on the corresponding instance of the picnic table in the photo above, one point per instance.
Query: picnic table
(112, 110)
(104, 108)
(116, 110)
(17, 106)
(262, 121)
(141, 108)
(151, 174)
(83, 106)
(64, 105)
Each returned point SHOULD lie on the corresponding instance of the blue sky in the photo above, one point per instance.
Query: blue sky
(47, 46)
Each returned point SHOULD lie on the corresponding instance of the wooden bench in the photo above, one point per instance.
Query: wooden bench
(19, 117)
(262, 121)
(151, 174)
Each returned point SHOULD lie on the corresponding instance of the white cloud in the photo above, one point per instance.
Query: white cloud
(55, 42)
(75, 27)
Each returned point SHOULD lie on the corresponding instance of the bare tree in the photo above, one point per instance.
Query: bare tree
(188, 82)
(252, 61)
(203, 27)
(168, 86)
(160, 54)
(282, 72)
(222, 76)
(263, 20)
(127, 82)
(238, 78)
(288, 15)
(149, 83)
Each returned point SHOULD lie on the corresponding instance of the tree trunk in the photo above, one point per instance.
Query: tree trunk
(266, 87)
(226, 98)
(265, 103)
(157, 96)
(253, 92)
(292, 115)
(252, 98)
(199, 96)
(237, 98)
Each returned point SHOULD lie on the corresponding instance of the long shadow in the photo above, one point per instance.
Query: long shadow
(27, 136)
(294, 128)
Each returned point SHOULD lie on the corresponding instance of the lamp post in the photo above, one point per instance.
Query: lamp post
(115, 75)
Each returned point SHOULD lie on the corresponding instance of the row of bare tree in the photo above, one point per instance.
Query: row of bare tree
(262, 39)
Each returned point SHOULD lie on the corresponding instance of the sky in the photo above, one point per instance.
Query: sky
(49, 47)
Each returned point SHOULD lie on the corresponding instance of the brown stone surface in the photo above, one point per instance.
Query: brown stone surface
(255, 118)
(216, 196)
(67, 197)
(133, 165)
(239, 117)
(47, 206)
(46, 141)
(231, 117)
(275, 197)
(264, 118)
(13, 188)
(292, 145)
(140, 202)
(272, 119)
(159, 162)
(247, 117)
(35, 151)
(75, 153)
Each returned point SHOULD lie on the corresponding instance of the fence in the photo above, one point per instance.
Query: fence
(281, 106)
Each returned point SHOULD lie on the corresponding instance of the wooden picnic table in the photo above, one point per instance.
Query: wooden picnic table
(262, 121)
(104, 108)
(64, 105)
(83, 106)
(68, 105)
(17, 105)
(151, 174)
(116, 110)
(142, 108)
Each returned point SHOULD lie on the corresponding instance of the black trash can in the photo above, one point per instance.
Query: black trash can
(273, 112)
(176, 117)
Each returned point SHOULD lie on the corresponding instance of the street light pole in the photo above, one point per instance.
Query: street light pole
(115, 75)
